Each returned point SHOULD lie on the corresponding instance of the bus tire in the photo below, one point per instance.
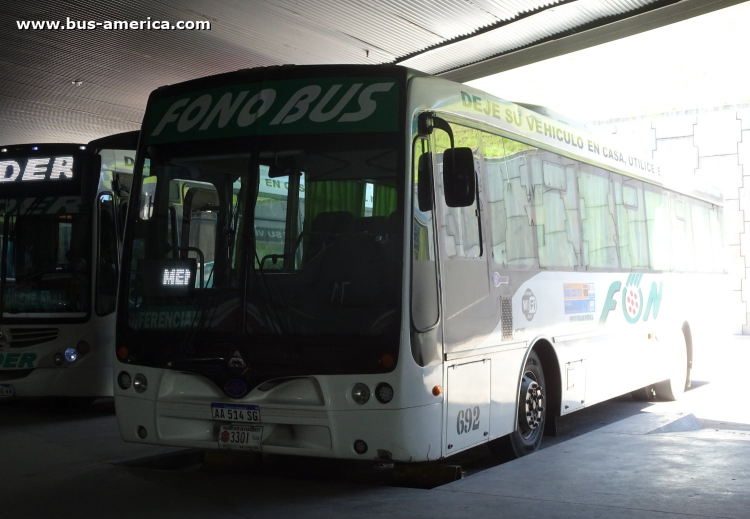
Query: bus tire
(644, 394)
(672, 388)
(532, 414)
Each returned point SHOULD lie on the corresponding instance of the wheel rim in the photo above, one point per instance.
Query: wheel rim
(532, 408)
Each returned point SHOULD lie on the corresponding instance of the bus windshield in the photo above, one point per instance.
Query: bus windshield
(288, 237)
(45, 257)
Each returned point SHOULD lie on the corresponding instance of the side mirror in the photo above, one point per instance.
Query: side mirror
(459, 182)
(424, 182)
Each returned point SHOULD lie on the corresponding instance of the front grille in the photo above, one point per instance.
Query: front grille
(25, 337)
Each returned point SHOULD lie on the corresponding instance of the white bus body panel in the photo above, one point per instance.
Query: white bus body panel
(89, 376)
(311, 416)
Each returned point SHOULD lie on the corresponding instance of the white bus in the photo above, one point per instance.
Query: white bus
(61, 218)
(510, 269)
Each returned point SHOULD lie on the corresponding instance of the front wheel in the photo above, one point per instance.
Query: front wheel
(532, 415)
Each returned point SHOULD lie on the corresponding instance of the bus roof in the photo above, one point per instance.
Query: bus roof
(50, 147)
(527, 122)
(118, 141)
(539, 126)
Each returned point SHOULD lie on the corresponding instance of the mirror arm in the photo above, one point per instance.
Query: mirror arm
(428, 121)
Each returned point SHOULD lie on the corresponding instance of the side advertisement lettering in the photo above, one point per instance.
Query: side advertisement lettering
(634, 308)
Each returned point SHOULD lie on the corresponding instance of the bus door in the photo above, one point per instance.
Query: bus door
(468, 311)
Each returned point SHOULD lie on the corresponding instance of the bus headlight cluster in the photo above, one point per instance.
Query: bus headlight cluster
(140, 384)
(71, 354)
(384, 393)
(83, 347)
(124, 380)
(360, 393)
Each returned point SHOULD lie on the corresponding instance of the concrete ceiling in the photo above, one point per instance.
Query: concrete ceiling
(76, 85)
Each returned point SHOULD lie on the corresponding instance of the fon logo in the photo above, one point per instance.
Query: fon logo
(633, 307)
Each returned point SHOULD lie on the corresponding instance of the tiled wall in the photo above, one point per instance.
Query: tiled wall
(713, 145)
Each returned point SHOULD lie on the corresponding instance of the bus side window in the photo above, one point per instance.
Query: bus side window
(510, 211)
(716, 218)
(657, 219)
(108, 264)
(556, 208)
(631, 222)
(597, 218)
(701, 221)
(682, 234)
(424, 306)
(461, 229)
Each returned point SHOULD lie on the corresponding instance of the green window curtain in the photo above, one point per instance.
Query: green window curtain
(333, 195)
(383, 200)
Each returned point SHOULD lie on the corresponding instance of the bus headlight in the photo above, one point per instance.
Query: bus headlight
(360, 393)
(71, 354)
(124, 380)
(140, 384)
(384, 393)
(83, 347)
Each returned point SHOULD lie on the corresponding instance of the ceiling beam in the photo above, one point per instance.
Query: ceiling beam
(630, 26)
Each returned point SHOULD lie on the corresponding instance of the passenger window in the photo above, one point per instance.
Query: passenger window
(556, 207)
(631, 222)
(716, 218)
(682, 235)
(108, 267)
(597, 218)
(509, 201)
(461, 227)
(657, 220)
(701, 220)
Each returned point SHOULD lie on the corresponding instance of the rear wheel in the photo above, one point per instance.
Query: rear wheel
(644, 394)
(532, 414)
(672, 388)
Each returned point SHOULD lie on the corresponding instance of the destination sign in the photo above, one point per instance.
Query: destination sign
(303, 106)
(23, 169)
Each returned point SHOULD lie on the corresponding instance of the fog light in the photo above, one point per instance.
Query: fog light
(360, 447)
(142, 432)
(71, 355)
(384, 392)
(360, 393)
(140, 384)
(59, 359)
(83, 347)
(124, 380)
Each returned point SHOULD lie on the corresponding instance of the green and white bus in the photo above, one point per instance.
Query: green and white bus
(62, 209)
(401, 268)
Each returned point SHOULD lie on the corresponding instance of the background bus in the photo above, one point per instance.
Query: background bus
(62, 209)
(511, 269)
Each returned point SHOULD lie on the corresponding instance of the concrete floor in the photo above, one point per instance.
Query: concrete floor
(688, 458)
